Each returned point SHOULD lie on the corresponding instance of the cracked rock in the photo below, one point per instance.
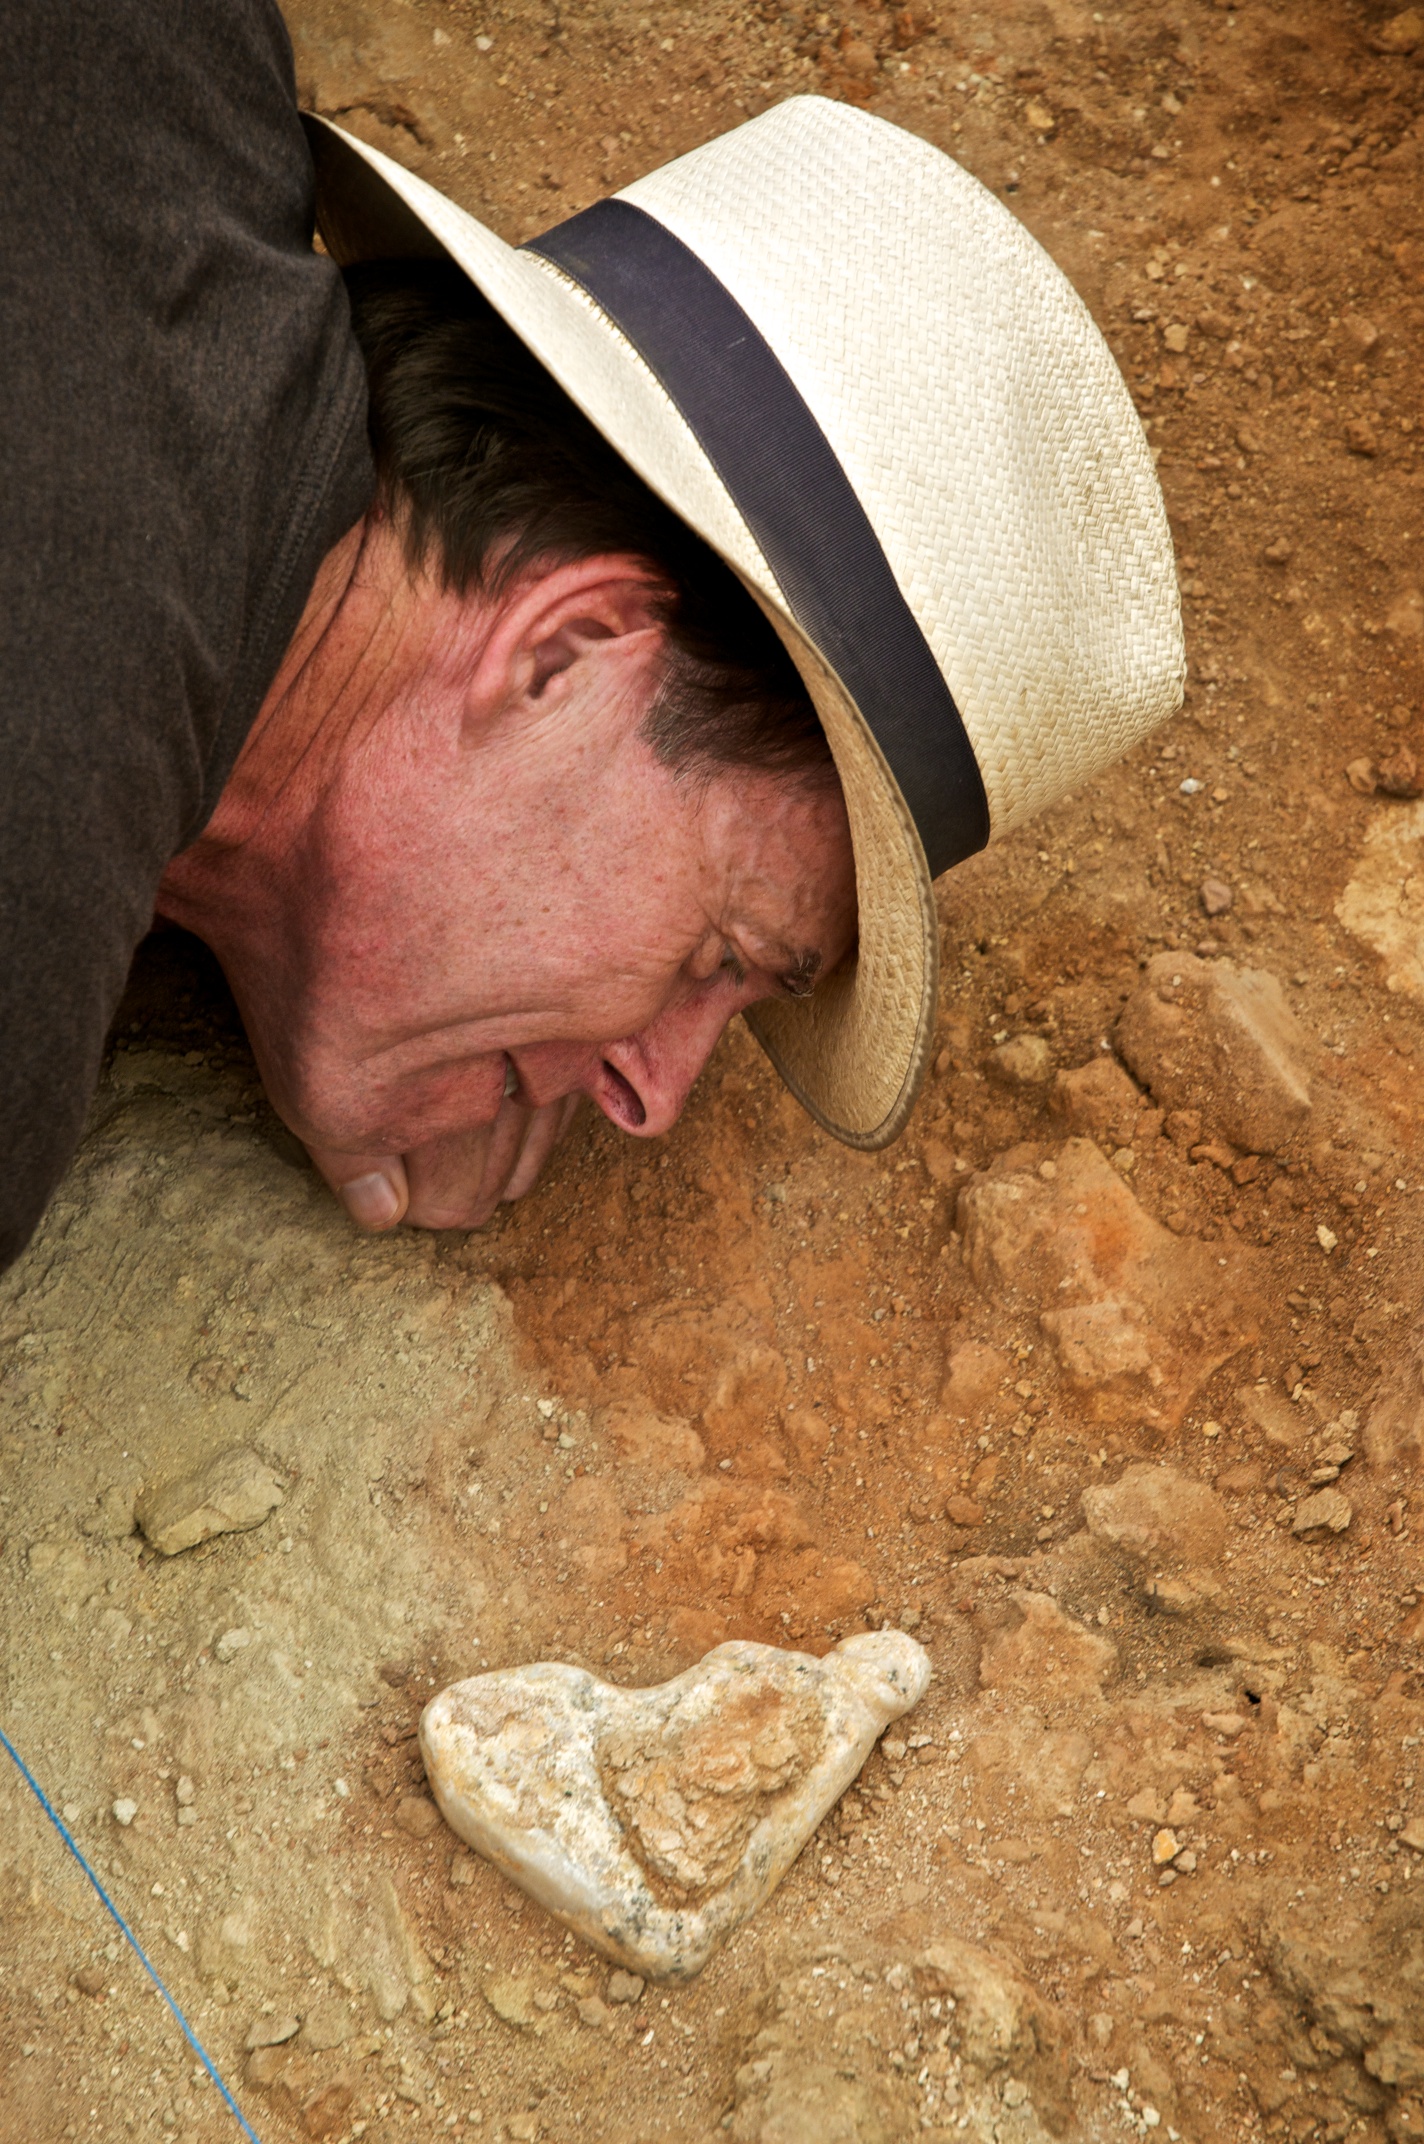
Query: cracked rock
(1211, 1036)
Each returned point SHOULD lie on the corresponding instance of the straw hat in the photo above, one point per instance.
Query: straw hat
(849, 368)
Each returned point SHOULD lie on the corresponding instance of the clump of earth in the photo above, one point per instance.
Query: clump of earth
(1105, 1382)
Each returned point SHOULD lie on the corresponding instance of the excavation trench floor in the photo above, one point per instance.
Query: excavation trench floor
(742, 1383)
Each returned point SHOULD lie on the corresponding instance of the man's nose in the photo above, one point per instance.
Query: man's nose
(661, 1063)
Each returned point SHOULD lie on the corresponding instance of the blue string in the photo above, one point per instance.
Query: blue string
(128, 1935)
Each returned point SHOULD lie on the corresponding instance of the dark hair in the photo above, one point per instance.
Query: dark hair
(491, 469)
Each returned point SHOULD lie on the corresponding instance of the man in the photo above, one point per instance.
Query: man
(719, 570)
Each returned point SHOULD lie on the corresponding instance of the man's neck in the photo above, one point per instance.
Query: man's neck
(351, 645)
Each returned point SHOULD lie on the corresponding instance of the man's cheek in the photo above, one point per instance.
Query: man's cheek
(361, 1112)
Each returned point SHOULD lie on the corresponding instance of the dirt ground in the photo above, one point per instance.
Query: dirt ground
(1109, 1390)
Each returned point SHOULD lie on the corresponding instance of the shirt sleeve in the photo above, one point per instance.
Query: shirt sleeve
(182, 439)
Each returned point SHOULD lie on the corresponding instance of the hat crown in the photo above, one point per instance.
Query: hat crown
(978, 414)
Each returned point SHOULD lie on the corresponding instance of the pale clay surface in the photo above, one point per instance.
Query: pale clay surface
(653, 1822)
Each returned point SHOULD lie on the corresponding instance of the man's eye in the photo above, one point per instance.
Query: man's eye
(731, 966)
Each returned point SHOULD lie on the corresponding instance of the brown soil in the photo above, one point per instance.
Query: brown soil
(745, 1383)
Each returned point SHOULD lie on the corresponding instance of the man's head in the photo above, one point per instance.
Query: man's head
(537, 803)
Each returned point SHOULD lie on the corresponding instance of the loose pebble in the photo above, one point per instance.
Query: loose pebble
(229, 1493)
(1327, 1509)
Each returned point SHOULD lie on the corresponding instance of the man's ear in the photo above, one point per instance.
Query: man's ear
(549, 622)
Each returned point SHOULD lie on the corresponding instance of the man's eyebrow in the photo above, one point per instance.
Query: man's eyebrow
(799, 980)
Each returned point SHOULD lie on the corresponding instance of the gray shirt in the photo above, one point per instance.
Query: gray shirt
(182, 439)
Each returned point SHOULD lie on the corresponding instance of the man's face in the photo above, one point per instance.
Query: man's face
(506, 912)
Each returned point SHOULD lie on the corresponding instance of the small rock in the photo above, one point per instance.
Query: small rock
(1217, 1037)
(972, 1378)
(230, 1493)
(1022, 1061)
(1186, 1861)
(1405, 616)
(510, 1999)
(327, 2113)
(1215, 896)
(1165, 1848)
(594, 2012)
(1176, 337)
(1147, 1806)
(625, 1987)
(1380, 905)
(1362, 776)
(1098, 1098)
(1039, 117)
(1399, 773)
(90, 1980)
(1326, 1238)
(1281, 552)
(1046, 1644)
(272, 2031)
(417, 1815)
(1394, 1431)
(328, 2025)
(1351, 1967)
(1361, 438)
(654, 1821)
(1003, 2022)
(1401, 33)
(1362, 333)
(1278, 1421)
(124, 1811)
(963, 1511)
(1412, 1836)
(1158, 1516)
(1184, 1595)
(1223, 1723)
(462, 1870)
(1100, 1344)
(184, 1791)
(1328, 1507)
(112, 1518)
(231, 1643)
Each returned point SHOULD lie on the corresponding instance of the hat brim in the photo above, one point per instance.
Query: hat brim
(856, 1051)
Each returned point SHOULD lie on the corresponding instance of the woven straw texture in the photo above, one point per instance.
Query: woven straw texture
(992, 441)
(977, 411)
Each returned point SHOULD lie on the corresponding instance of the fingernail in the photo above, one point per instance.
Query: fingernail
(371, 1200)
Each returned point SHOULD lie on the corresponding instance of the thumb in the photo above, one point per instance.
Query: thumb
(372, 1187)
